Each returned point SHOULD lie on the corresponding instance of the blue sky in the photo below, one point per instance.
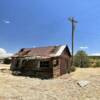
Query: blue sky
(32, 23)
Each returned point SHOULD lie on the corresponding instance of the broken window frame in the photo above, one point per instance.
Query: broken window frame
(44, 64)
(34, 63)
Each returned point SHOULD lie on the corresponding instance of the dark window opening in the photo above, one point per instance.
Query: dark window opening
(29, 63)
(44, 64)
(24, 62)
(17, 63)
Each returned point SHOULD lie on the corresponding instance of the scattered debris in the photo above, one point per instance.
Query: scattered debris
(16, 73)
(83, 83)
(4, 70)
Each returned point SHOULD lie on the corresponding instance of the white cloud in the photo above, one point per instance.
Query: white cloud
(6, 21)
(95, 54)
(83, 47)
(4, 53)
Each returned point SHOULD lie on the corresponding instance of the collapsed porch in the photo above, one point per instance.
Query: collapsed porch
(36, 67)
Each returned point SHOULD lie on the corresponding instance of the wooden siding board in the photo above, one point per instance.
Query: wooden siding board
(64, 62)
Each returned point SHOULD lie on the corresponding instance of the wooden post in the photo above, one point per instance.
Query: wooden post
(73, 30)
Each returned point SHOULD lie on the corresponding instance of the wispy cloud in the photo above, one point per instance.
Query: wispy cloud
(95, 54)
(84, 47)
(4, 53)
(6, 21)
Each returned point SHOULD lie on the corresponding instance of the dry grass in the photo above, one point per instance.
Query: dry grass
(62, 88)
(83, 73)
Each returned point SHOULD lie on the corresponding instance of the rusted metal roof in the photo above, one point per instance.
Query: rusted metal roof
(49, 51)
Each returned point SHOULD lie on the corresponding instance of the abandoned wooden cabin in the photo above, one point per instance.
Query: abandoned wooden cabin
(43, 62)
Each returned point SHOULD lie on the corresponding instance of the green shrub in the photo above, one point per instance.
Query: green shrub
(81, 59)
(7, 61)
(97, 64)
(73, 68)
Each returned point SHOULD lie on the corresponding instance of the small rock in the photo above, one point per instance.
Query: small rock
(83, 83)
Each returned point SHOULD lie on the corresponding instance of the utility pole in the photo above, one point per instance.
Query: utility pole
(73, 22)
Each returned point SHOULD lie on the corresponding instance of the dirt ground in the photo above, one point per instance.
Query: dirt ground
(62, 88)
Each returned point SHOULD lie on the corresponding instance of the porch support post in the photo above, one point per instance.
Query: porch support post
(38, 64)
